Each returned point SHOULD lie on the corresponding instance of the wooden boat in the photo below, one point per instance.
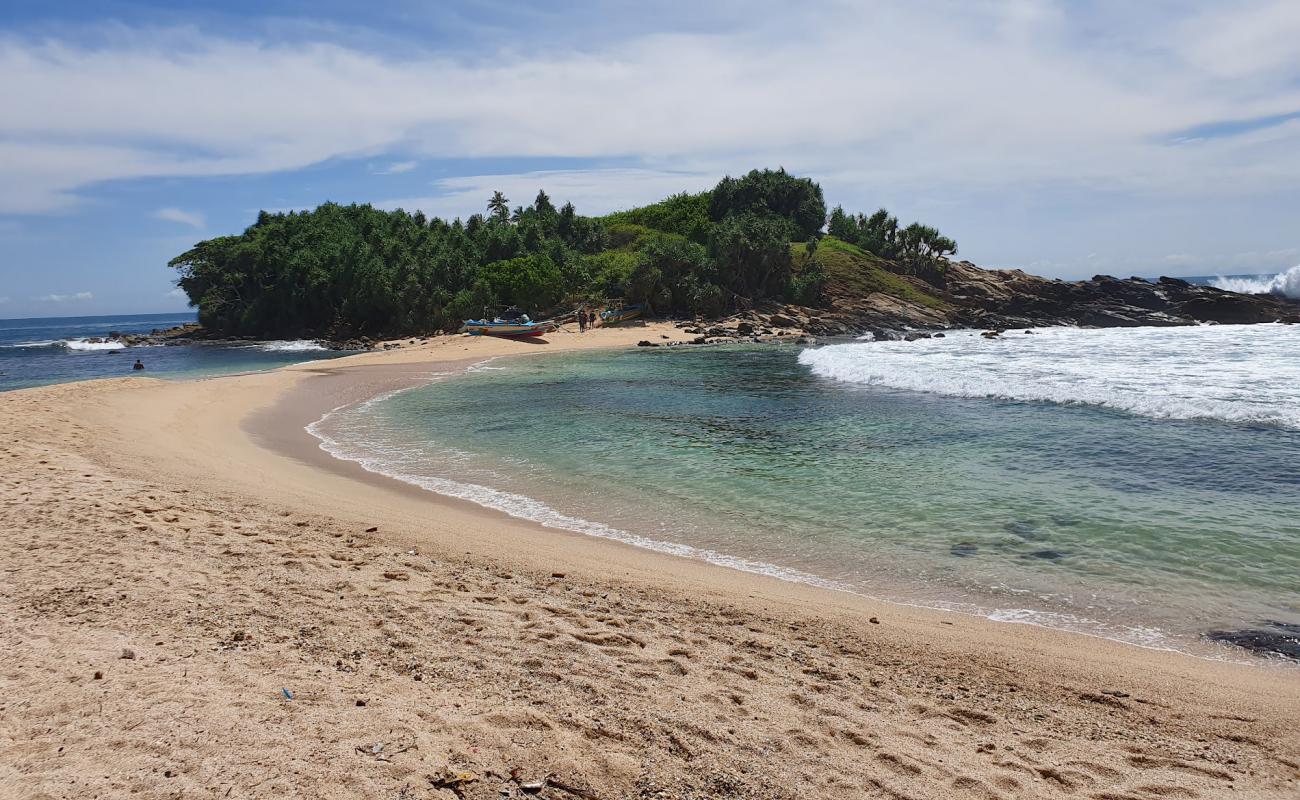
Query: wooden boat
(614, 316)
(498, 327)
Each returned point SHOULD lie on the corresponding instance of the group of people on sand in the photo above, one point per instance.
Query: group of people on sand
(587, 319)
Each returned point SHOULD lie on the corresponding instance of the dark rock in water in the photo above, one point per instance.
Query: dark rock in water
(1047, 555)
(645, 343)
(1280, 639)
(912, 336)
(963, 549)
(1028, 331)
(1023, 528)
(939, 336)
(1064, 521)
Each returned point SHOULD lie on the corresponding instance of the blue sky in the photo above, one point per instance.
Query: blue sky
(1064, 138)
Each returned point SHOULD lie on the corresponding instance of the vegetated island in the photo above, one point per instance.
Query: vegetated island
(761, 248)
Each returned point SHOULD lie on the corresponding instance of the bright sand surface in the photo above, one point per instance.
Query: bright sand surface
(298, 627)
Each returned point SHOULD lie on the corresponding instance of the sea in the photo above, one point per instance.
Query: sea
(1141, 485)
(40, 351)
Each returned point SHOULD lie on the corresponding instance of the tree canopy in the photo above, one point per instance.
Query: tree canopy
(343, 271)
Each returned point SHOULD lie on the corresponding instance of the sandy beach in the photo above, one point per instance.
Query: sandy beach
(197, 601)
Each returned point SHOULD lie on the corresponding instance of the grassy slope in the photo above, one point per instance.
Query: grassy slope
(853, 272)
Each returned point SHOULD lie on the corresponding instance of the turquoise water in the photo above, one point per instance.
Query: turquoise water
(1143, 528)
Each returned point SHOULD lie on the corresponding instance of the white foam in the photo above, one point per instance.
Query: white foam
(291, 346)
(1285, 284)
(1233, 373)
(82, 344)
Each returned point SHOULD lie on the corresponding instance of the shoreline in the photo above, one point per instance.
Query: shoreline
(219, 445)
(287, 428)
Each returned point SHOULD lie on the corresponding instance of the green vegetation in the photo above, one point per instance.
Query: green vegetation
(342, 271)
(920, 249)
(857, 273)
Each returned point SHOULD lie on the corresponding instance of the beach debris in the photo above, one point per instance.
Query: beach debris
(874, 621)
(451, 779)
(127, 653)
(372, 529)
(288, 695)
(557, 574)
(361, 703)
(397, 575)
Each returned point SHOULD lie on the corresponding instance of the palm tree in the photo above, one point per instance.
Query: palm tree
(499, 206)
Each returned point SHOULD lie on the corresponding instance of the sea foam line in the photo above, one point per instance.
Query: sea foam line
(1238, 374)
(530, 509)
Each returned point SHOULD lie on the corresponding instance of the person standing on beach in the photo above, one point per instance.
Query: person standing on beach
(582, 319)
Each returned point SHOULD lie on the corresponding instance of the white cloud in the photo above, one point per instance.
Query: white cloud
(932, 94)
(192, 218)
(79, 297)
(397, 168)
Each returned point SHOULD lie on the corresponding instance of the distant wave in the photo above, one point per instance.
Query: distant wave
(291, 346)
(1284, 284)
(67, 344)
(81, 344)
(1231, 373)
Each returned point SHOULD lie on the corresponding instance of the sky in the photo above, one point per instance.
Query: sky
(1066, 138)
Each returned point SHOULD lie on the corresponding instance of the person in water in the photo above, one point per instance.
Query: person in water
(137, 365)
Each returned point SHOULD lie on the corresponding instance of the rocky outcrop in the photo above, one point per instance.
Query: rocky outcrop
(1012, 298)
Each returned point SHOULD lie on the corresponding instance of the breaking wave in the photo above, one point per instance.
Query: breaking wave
(1232, 373)
(291, 346)
(68, 344)
(1283, 284)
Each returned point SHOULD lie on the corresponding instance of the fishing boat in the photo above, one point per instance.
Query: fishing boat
(512, 328)
(613, 316)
